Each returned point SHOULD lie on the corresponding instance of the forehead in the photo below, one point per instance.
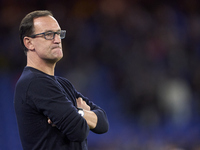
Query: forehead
(45, 23)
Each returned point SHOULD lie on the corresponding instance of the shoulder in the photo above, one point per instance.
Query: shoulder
(34, 77)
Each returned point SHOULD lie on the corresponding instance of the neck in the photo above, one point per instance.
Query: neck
(48, 70)
(44, 66)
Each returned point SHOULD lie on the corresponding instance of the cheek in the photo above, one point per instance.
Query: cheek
(41, 48)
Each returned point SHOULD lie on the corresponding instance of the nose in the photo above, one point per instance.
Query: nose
(57, 38)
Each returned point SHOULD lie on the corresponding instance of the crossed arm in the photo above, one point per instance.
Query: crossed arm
(90, 116)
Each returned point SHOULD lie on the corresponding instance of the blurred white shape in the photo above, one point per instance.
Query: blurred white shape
(175, 96)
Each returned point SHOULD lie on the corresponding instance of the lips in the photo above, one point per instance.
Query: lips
(54, 47)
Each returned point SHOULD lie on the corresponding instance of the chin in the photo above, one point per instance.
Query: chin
(59, 59)
(55, 60)
(58, 56)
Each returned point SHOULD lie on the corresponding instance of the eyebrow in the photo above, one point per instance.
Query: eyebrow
(52, 30)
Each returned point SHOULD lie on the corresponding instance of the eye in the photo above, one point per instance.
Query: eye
(49, 34)
(59, 32)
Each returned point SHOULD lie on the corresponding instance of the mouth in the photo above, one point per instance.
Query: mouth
(57, 51)
(55, 47)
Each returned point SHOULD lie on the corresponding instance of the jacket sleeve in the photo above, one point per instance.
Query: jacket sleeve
(102, 121)
(50, 100)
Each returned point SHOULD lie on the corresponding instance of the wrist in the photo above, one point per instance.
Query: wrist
(81, 112)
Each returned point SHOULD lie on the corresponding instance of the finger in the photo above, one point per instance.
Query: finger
(53, 125)
(49, 121)
(79, 101)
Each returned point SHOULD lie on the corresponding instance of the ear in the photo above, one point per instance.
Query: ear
(28, 43)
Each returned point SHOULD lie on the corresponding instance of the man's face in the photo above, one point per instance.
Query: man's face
(48, 50)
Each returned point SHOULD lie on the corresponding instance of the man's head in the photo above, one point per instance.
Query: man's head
(26, 27)
(41, 35)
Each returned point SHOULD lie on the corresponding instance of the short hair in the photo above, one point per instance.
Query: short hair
(26, 27)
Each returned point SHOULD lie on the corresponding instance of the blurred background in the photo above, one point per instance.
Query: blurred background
(137, 59)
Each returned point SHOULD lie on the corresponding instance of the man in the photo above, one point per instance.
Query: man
(51, 114)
